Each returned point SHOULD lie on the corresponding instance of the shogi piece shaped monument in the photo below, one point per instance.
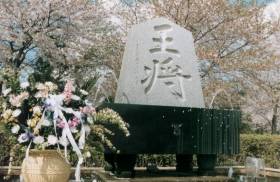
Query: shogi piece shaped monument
(159, 67)
(159, 94)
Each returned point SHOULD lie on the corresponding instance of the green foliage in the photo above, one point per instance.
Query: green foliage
(262, 146)
(89, 84)
(10, 77)
(42, 71)
(265, 146)
(160, 160)
(4, 150)
(95, 159)
(8, 144)
(245, 128)
(246, 124)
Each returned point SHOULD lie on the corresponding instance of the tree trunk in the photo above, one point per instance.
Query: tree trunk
(274, 119)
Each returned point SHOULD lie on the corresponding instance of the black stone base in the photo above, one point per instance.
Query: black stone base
(121, 164)
(206, 164)
(184, 163)
(110, 159)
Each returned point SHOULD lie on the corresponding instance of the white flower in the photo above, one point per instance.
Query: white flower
(75, 97)
(40, 86)
(87, 129)
(24, 85)
(39, 95)
(23, 138)
(83, 92)
(37, 110)
(51, 86)
(38, 140)
(74, 130)
(52, 140)
(78, 114)
(88, 154)
(88, 103)
(15, 129)
(17, 100)
(90, 120)
(63, 141)
(43, 91)
(16, 113)
(46, 122)
(6, 91)
(7, 114)
(4, 105)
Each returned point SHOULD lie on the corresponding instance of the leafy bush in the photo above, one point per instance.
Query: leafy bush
(160, 160)
(260, 146)
(4, 150)
(251, 145)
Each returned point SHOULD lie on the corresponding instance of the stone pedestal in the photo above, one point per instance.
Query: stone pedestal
(121, 164)
(184, 163)
(206, 164)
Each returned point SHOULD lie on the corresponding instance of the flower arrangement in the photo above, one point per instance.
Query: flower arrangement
(49, 112)
(48, 115)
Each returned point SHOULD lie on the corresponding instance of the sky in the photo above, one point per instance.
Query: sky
(259, 2)
(272, 10)
(272, 13)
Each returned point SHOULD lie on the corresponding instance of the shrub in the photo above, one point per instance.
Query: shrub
(265, 146)
(160, 160)
(260, 146)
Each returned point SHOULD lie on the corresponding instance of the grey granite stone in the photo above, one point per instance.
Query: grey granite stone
(160, 67)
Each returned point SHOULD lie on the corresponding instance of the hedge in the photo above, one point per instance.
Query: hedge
(261, 146)
(265, 146)
(253, 145)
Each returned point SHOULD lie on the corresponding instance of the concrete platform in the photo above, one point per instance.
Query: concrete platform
(163, 175)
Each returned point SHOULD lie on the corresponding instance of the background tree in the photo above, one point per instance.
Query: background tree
(76, 37)
(264, 85)
(232, 46)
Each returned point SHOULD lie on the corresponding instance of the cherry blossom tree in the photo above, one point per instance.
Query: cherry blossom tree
(74, 36)
(60, 30)
(263, 101)
(233, 48)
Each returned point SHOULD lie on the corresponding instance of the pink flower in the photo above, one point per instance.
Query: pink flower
(74, 122)
(17, 100)
(87, 110)
(60, 123)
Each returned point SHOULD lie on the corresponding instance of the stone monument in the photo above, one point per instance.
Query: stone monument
(160, 67)
(159, 94)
